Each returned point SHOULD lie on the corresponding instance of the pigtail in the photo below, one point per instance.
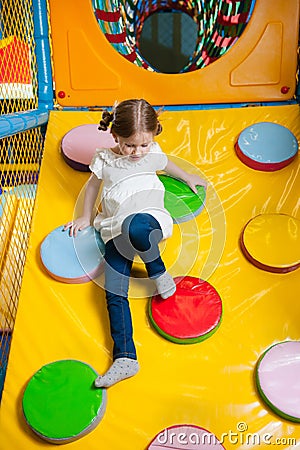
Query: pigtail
(159, 125)
(159, 128)
(107, 118)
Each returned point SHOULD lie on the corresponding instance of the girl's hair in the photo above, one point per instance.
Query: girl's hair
(130, 117)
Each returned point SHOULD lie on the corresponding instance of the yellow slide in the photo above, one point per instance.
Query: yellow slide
(209, 384)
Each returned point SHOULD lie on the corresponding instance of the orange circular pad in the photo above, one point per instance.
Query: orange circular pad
(272, 242)
(191, 315)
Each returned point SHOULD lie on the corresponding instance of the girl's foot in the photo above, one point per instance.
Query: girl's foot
(121, 369)
(165, 285)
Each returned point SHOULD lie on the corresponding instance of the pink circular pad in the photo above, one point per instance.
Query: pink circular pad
(278, 379)
(79, 145)
(187, 437)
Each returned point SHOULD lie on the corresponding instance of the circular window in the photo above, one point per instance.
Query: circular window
(168, 40)
(154, 35)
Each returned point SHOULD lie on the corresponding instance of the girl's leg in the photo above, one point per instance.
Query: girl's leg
(117, 273)
(144, 233)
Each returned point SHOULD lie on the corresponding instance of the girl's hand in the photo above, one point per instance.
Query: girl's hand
(77, 225)
(193, 181)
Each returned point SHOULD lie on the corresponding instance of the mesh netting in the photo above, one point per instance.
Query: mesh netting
(20, 157)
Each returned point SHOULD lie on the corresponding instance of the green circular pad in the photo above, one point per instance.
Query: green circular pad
(60, 402)
(181, 202)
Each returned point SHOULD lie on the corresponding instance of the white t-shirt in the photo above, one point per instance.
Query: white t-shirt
(130, 187)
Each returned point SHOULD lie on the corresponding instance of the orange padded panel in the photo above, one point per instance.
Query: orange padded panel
(261, 66)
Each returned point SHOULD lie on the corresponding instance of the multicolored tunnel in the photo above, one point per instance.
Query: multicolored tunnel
(220, 24)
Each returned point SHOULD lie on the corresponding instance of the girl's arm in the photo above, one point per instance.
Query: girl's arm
(191, 179)
(90, 196)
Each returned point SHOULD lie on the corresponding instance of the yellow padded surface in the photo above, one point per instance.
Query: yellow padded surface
(210, 384)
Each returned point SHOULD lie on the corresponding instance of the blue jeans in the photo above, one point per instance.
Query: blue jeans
(141, 234)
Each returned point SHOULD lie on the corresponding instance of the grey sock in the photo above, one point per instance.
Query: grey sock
(165, 285)
(120, 369)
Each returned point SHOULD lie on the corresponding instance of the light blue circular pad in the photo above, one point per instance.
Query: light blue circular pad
(73, 259)
(266, 146)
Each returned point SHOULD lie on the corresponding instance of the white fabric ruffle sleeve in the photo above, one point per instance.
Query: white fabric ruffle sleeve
(97, 164)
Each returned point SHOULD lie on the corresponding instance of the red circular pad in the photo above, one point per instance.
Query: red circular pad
(191, 315)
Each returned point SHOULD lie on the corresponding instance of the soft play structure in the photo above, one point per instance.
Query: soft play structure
(220, 358)
(252, 63)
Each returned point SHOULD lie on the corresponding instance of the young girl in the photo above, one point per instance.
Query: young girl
(133, 218)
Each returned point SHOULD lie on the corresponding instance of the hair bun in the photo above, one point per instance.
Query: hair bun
(102, 126)
(107, 118)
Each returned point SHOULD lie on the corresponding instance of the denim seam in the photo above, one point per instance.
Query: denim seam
(125, 355)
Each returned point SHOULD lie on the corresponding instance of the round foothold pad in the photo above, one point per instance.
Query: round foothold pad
(60, 402)
(79, 145)
(266, 146)
(190, 315)
(73, 259)
(272, 242)
(277, 378)
(188, 437)
(181, 202)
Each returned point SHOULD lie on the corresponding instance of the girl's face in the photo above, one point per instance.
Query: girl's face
(136, 146)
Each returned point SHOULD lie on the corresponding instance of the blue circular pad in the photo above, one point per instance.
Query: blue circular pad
(73, 259)
(266, 146)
